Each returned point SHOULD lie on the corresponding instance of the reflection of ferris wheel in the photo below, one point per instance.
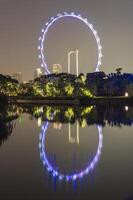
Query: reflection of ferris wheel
(55, 173)
(45, 30)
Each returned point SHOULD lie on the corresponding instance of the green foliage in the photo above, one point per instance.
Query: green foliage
(85, 92)
(51, 90)
(86, 110)
(69, 89)
(69, 113)
(37, 90)
(83, 123)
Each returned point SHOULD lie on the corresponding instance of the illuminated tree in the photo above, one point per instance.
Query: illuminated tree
(69, 89)
(85, 92)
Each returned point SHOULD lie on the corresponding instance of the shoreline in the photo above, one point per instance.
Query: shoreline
(121, 100)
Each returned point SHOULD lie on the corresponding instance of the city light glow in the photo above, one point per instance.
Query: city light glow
(126, 108)
(126, 94)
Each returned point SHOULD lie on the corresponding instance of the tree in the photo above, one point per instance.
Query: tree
(118, 70)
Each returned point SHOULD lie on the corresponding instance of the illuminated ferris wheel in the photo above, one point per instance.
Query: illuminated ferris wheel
(46, 28)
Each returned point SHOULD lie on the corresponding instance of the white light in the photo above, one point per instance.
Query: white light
(39, 47)
(85, 20)
(100, 55)
(95, 32)
(40, 145)
(47, 24)
(42, 30)
(99, 47)
(126, 94)
(72, 13)
(91, 26)
(126, 108)
(39, 56)
(40, 38)
(98, 39)
(99, 62)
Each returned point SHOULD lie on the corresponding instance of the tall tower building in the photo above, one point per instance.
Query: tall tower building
(76, 53)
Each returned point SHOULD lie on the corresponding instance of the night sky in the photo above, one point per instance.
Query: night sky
(21, 22)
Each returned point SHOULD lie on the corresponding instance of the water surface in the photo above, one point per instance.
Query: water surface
(66, 153)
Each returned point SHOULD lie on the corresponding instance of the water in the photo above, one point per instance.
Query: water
(66, 153)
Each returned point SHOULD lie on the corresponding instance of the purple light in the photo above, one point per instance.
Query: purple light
(68, 177)
(56, 18)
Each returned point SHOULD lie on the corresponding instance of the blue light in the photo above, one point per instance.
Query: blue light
(52, 21)
(74, 177)
(69, 177)
(60, 177)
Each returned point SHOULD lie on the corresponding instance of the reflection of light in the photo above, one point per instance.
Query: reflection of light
(58, 17)
(126, 108)
(39, 121)
(71, 139)
(73, 176)
(57, 126)
(126, 94)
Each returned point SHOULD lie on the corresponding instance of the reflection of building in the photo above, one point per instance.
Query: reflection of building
(57, 68)
(38, 73)
(57, 126)
(17, 76)
(71, 139)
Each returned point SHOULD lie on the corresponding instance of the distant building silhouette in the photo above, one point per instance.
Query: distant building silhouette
(38, 73)
(17, 76)
(57, 68)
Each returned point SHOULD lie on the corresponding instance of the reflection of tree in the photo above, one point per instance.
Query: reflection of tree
(7, 114)
(103, 114)
(5, 131)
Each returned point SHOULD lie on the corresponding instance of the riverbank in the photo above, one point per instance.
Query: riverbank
(73, 101)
